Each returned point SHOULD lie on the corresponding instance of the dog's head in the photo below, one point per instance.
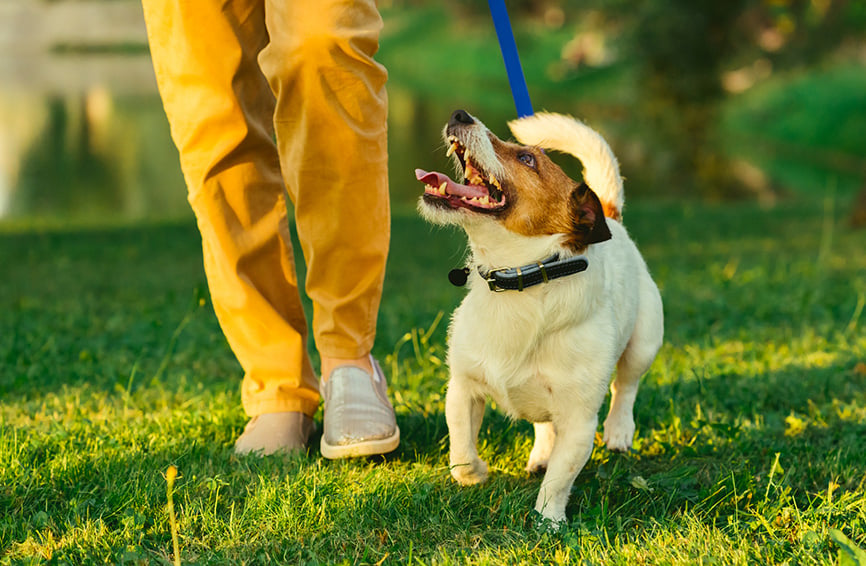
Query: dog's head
(515, 185)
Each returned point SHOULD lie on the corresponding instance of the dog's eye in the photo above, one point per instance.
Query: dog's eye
(526, 158)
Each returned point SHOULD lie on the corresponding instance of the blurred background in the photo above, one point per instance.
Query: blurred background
(728, 99)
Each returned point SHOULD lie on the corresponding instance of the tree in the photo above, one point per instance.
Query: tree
(682, 50)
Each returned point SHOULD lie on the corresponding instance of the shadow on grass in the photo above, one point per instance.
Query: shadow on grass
(709, 464)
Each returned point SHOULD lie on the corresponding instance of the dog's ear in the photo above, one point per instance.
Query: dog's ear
(587, 218)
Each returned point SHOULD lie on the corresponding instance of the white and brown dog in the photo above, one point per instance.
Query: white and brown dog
(577, 299)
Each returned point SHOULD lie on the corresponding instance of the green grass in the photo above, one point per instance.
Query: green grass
(751, 423)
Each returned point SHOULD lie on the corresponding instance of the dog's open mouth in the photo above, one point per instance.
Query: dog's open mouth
(480, 191)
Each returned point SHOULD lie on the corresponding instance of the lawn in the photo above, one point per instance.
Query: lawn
(751, 423)
(751, 443)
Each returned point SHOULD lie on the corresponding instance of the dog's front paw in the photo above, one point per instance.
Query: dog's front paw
(548, 524)
(619, 433)
(546, 521)
(469, 473)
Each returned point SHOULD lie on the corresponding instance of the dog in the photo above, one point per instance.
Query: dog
(558, 296)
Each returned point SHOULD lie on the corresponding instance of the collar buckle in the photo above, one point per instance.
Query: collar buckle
(490, 277)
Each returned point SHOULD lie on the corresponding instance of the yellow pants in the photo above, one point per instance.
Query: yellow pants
(264, 96)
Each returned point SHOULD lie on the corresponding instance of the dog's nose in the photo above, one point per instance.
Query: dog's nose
(461, 117)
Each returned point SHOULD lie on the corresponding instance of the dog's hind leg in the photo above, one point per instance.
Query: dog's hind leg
(635, 361)
(619, 425)
(464, 411)
(571, 450)
(545, 435)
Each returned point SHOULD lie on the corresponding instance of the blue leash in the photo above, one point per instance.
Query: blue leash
(511, 58)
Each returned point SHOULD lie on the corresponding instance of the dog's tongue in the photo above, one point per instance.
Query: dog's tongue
(435, 179)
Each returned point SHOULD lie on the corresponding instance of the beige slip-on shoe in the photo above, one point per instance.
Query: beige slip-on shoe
(275, 432)
(359, 419)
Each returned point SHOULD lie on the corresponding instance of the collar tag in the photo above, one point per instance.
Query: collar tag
(458, 277)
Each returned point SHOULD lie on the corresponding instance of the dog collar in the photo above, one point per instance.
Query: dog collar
(519, 278)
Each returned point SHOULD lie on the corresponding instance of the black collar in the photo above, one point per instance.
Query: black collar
(519, 278)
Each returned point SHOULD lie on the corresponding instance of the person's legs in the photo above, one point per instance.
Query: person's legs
(331, 111)
(221, 109)
(330, 117)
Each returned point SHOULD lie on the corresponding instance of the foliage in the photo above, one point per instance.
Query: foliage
(803, 129)
(692, 55)
(751, 424)
(667, 68)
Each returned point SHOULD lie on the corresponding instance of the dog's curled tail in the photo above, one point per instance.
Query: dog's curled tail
(564, 133)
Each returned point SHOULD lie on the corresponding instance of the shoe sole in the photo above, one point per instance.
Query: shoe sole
(359, 449)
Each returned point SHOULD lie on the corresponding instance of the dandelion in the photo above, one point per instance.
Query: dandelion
(170, 476)
(794, 425)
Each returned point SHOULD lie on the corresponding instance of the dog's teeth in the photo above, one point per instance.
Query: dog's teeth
(442, 189)
(451, 149)
(485, 201)
(494, 181)
(466, 155)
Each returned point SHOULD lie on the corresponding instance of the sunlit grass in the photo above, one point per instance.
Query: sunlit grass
(751, 423)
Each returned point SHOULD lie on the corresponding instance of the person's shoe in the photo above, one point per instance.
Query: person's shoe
(275, 432)
(359, 419)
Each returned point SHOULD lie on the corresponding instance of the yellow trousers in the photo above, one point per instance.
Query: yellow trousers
(264, 97)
